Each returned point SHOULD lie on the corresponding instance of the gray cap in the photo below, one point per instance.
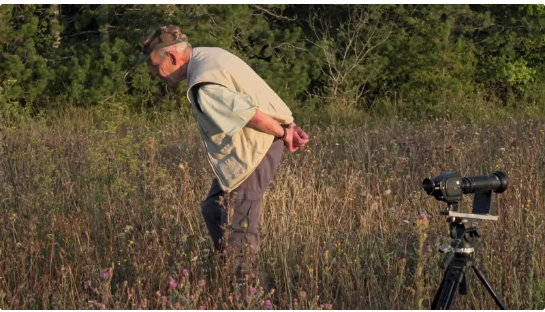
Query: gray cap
(162, 37)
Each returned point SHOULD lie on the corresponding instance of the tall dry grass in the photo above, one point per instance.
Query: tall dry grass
(104, 213)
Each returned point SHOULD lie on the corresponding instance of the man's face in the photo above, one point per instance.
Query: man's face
(169, 67)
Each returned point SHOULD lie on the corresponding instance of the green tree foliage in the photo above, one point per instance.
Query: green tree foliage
(55, 56)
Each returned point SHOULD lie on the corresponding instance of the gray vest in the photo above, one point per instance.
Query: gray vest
(233, 159)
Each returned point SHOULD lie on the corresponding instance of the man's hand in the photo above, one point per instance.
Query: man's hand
(296, 138)
(300, 138)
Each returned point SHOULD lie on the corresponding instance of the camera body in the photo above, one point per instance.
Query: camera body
(445, 187)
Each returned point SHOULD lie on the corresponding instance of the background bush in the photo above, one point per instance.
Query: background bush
(429, 60)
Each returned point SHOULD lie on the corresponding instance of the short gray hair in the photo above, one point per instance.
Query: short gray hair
(178, 47)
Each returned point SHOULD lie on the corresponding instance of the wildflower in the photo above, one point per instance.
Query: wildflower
(200, 283)
(185, 272)
(202, 307)
(87, 283)
(248, 299)
(422, 221)
(253, 290)
(106, 274)
(142, 304)
(327, 306)
(387, 192)
(172, 283)
(303, 294)
(244, 224)
(268, 304)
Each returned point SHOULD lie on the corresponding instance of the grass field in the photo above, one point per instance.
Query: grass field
(104, 213)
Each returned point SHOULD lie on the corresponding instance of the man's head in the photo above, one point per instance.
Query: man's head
(167, 52)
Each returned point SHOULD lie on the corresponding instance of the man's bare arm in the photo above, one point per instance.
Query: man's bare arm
(269, 125)
(265, 123)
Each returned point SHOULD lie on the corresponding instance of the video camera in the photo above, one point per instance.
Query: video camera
(450, 186)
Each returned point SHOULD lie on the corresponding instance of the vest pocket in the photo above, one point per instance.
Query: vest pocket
(230, 167)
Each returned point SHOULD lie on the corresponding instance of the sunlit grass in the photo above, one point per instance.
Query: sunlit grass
(105, 213)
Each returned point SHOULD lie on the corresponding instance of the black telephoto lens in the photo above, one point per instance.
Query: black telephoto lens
(496, 182)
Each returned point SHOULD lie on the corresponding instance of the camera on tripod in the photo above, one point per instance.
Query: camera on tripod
(449, 187)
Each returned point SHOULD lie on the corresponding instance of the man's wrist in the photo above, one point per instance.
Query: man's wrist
(285, 133)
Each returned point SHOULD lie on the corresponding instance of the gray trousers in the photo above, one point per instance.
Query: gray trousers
(243, 237)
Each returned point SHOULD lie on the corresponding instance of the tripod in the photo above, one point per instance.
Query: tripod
(458, 257)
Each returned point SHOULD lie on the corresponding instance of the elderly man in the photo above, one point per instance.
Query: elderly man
(244, 126)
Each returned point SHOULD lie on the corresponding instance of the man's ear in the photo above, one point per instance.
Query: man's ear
(172, 58)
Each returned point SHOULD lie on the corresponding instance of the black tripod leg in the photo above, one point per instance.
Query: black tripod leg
(488, 287)
(444, 298)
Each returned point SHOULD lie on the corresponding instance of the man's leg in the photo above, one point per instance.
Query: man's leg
(246, 205)
(244, 239)
(212, 213)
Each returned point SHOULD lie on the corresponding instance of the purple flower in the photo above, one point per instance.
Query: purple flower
(327, 306)
(143, 304)
(185, 272)
(268, 304)
(248, 299)
(106, 274)
(87, 283)
(200, 283)
(253, 290)
(422, 221)
(172, 283)
(202, 307)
